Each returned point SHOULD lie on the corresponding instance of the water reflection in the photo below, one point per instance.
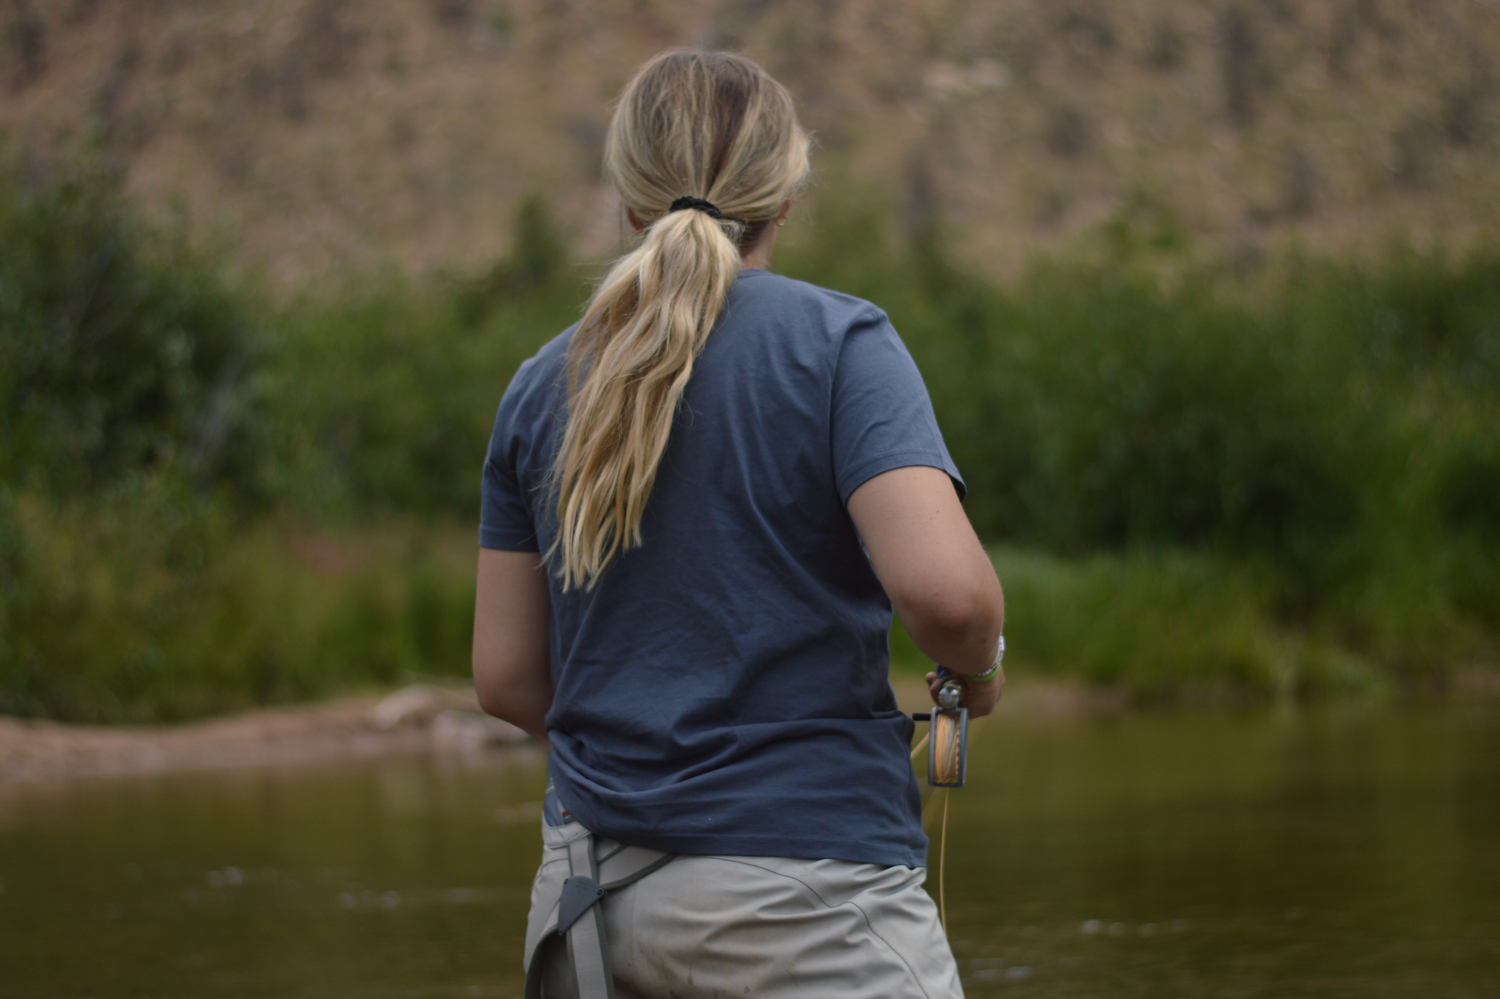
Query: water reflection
(1307, 853)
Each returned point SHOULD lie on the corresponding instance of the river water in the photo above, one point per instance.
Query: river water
(1330, 851)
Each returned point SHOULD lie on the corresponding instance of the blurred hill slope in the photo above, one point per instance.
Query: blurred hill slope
(324, 138)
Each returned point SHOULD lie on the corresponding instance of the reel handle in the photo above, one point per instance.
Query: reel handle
(948, 741)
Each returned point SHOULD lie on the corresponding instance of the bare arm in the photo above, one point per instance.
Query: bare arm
(512, 665)
(935, 572)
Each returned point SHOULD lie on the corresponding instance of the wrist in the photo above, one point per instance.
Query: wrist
(986, 676)
(989, 674)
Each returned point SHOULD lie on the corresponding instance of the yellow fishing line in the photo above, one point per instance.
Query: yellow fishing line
(945, 740)
(942, 867)
(946, 765)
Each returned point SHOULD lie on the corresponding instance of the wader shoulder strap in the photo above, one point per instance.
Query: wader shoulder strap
(577, 915)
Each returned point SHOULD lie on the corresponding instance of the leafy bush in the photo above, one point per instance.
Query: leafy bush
(383, 398)
(1284, 488)
(1164, 623)
(1095, 406)
(120, 351)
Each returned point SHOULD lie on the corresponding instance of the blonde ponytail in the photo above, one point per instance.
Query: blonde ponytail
(706, 125)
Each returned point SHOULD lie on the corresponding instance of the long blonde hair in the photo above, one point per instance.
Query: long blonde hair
(691, 124)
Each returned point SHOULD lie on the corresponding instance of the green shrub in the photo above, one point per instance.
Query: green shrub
(1165, 623)
(1091, 408)
(1286, 488)
(382, 399)
(155, 605)
(121, 352)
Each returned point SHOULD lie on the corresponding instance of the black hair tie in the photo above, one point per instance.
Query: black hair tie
(698, 203)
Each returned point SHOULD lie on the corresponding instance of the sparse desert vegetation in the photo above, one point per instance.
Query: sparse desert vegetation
(315, 139)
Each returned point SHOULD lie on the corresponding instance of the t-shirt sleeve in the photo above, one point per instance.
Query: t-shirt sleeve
(505, 515)
(881, 415)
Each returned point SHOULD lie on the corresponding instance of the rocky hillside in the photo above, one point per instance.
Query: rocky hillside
(321, 138)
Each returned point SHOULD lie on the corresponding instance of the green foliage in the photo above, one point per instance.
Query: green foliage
(155, 605)
(120, 352)
(536, 268)
(1166, 623)
(1119, 415)
(1419, 315)
(1285, 488)
(1334, 428)
(383, 398)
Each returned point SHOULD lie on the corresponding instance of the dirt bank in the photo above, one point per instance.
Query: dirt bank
(414, 719)
(421, 718)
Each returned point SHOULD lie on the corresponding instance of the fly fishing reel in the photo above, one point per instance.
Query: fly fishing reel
(948, 740)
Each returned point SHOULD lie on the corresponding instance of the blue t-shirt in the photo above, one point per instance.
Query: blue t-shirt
(723, 688)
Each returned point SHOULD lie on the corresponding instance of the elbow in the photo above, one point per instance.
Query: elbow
(954, 624)
(489, 700)
(489, 686)
(948, 618)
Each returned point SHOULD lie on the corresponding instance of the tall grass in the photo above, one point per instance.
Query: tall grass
(209, 500)
(154, 606)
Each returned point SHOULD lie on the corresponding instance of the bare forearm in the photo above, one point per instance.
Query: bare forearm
(512, 671)
(936, 574)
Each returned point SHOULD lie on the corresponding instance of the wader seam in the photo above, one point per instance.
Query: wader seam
(853, 905)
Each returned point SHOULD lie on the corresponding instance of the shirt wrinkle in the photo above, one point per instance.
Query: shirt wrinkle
(725, 684)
